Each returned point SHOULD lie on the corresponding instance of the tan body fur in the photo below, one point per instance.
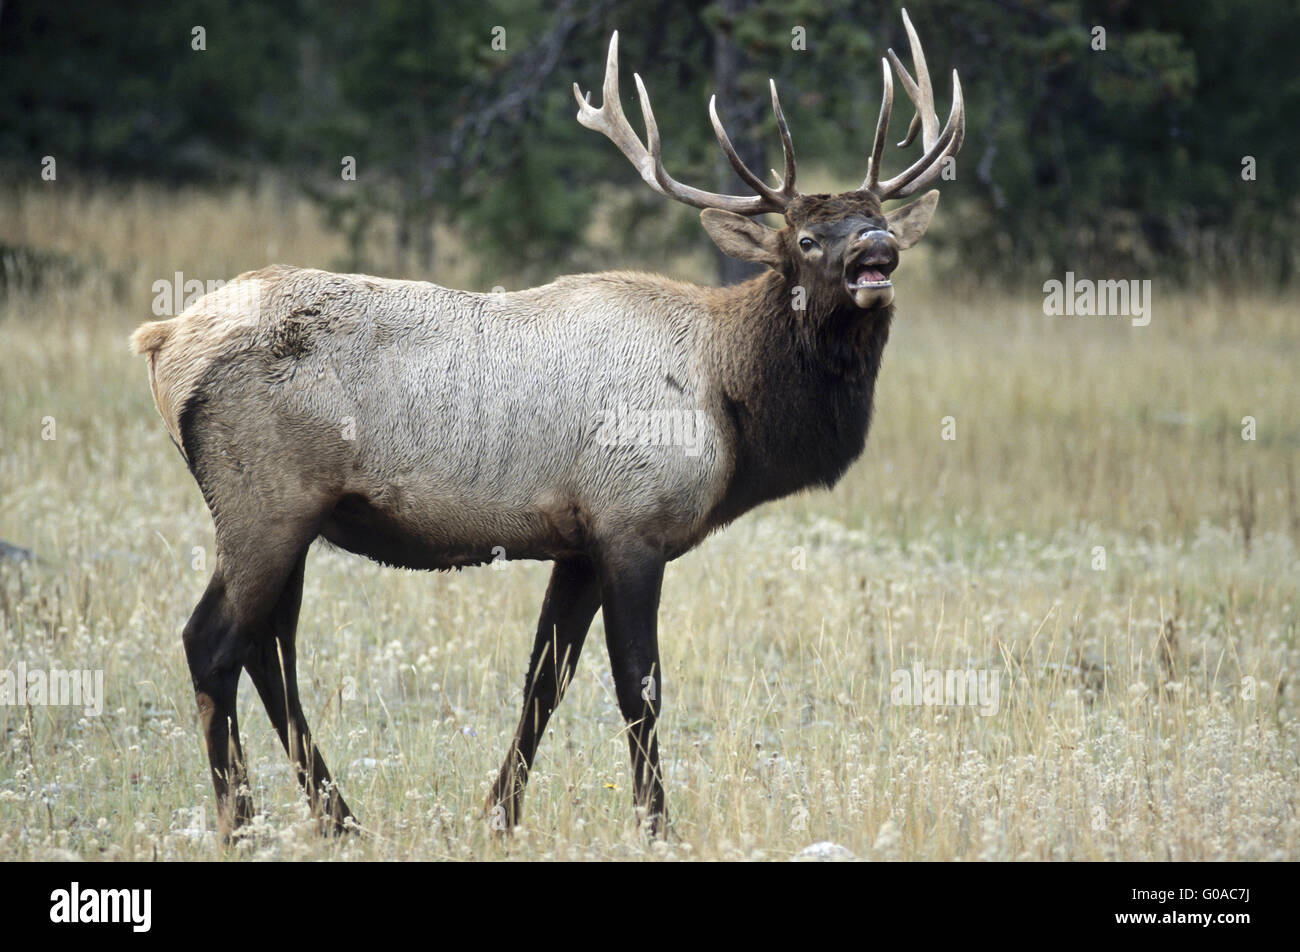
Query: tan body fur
(471, 421)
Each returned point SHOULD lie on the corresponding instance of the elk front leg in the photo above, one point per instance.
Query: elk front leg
(572, 597)
(631, 578)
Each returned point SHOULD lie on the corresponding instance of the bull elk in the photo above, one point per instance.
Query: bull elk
(478, 425)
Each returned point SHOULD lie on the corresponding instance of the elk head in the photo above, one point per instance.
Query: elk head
(842, 248)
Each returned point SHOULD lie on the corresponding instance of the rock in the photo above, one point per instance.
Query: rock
(12, 553)
(824, 852)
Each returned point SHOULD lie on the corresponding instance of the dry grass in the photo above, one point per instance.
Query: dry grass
(1146, 709)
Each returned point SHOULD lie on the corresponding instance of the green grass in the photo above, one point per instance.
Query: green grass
(779, 636)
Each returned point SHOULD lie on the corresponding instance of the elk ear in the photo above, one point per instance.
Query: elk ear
(910, 222)
(742, 238)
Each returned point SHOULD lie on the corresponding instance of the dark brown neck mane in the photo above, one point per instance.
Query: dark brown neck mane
(796, 387)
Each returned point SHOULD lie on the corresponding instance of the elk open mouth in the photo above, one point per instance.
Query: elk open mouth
(870, 277)
(868, 283)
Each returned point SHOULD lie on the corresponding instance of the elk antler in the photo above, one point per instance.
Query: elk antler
(611, 121)
(938, 145)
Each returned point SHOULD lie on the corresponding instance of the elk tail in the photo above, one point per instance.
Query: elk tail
(148, 339)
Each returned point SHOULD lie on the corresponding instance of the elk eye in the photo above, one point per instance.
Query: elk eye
(807, 244)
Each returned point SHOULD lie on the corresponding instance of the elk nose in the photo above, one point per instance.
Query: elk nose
(875, 246)
(877, 240)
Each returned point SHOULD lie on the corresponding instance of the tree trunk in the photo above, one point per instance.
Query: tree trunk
(741, 106)
(426, 204)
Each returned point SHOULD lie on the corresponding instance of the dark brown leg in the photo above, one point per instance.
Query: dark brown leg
(572, 598)
(213, 649)
(272, 666)
(631, 577)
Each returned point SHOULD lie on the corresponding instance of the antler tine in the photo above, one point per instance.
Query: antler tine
(919, 90)
(938, 145)
(786, 186)
(882, 129)
(724, 143)
(929, 121)
(913, 128)
(919, 119)
(780, 196)
(765, 201)
(925, 169)
(611, 121)
(914, 94)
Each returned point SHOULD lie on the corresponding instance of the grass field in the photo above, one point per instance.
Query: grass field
(1098, 533)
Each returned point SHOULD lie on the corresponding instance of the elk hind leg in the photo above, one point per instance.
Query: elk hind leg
(213, 649)
(272, 666)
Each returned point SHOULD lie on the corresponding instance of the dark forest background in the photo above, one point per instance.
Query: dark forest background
(1129, 158)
